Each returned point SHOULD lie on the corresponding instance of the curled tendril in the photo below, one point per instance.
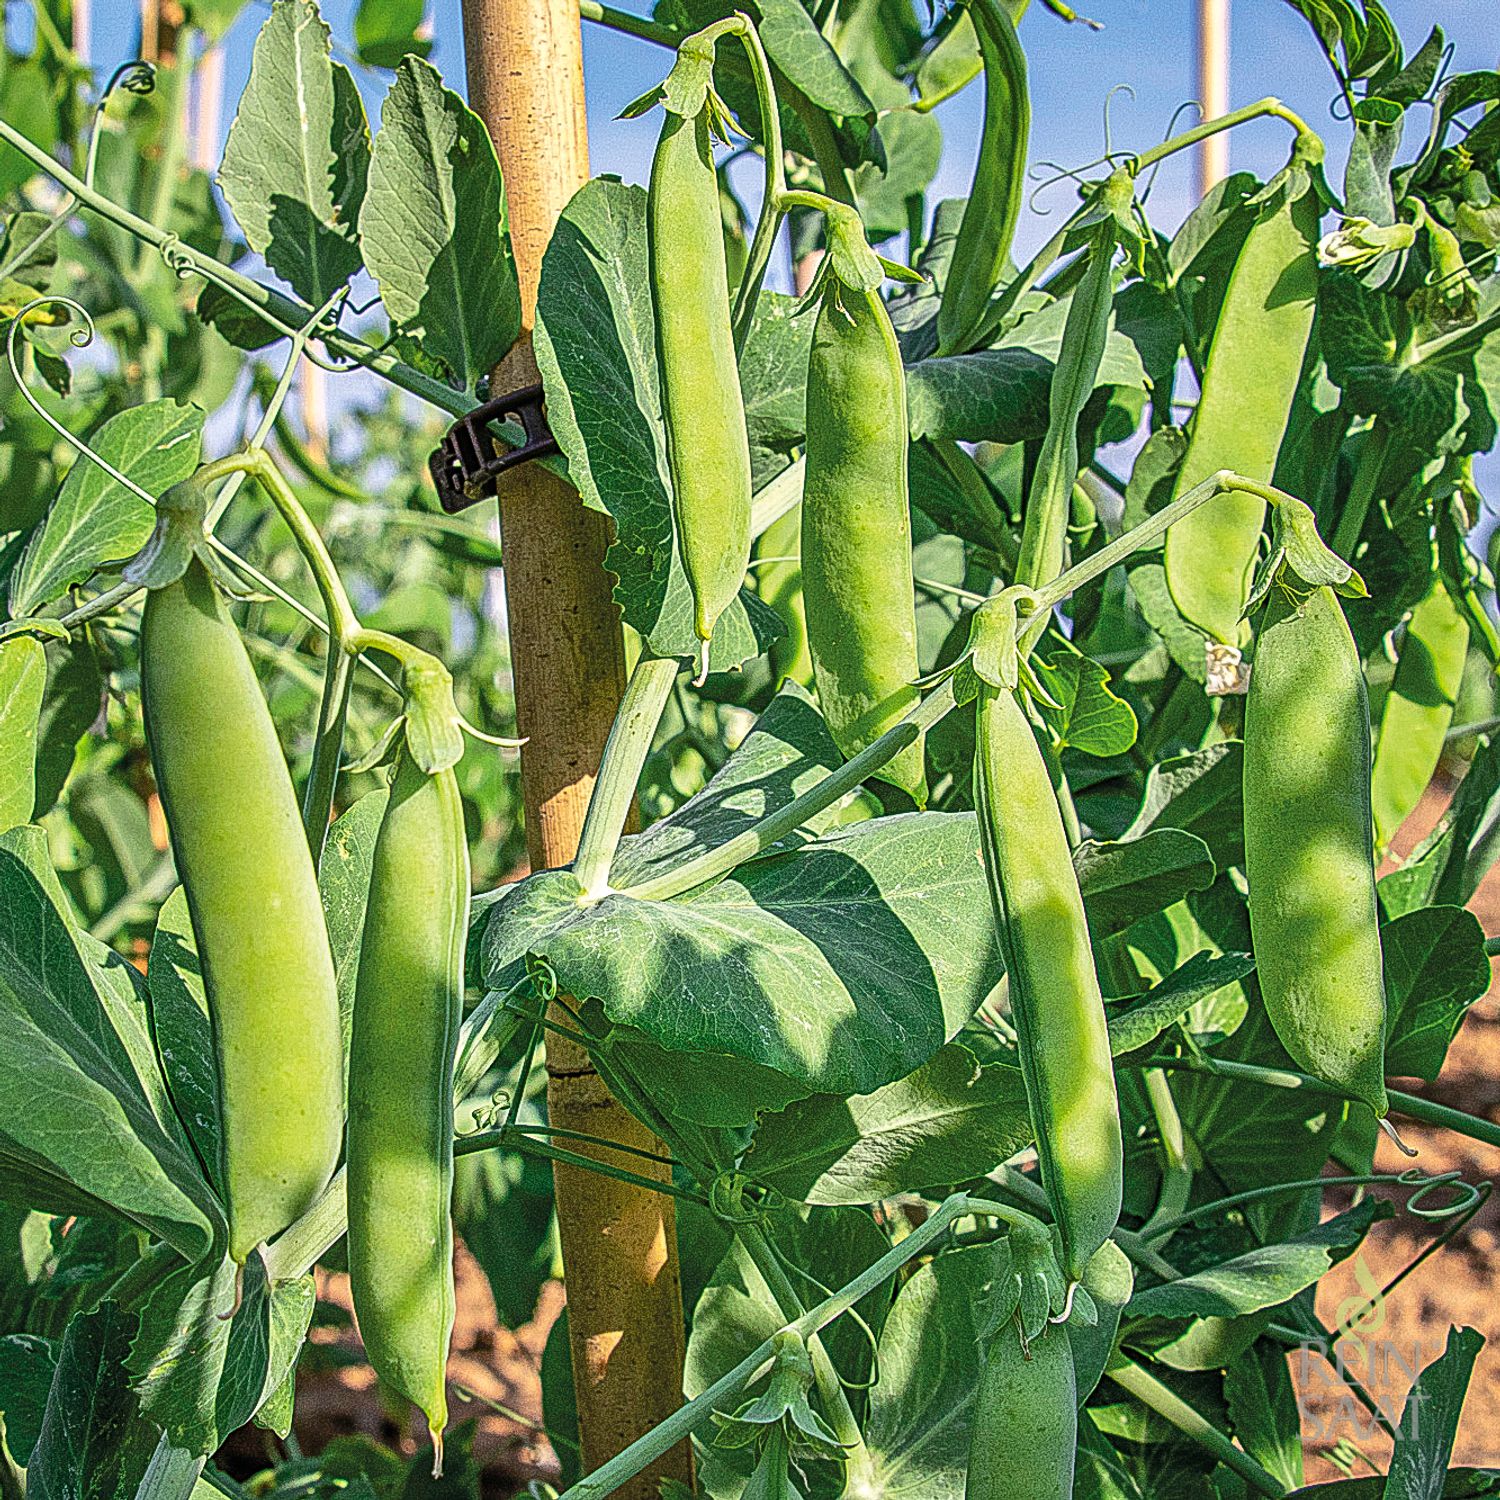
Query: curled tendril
(1109, 99)
(824, 1290)
(137, 76)
(1468, 1195)
(80, 338)
(732, 1198)
(178, 260)
(1186, 107)
(1056, 173)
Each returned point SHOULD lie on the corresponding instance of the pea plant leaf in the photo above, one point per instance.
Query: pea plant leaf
(93, 1442)
(843, 965)
(27, 1364)
(947, 1122)
(298, 155)
(1138, 1022)
(95, 519)
(1125, 881)
(1263, 1277)
(1201, 793)
(994, 395)
(737, 1312)
(385, 31)
(1089, 718)
(183, 1031)
(68, 1081)
(773, 379)
(596, 349)
(1429, 1421)
(23, 675)
(794, 43)
(199, 1374)
(1435, 969)
(921, 1410)
(435, 229)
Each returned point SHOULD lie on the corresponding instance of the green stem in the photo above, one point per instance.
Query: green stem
(295, 1252)
(624, 1466)
(283, 312)
(1362, 489)
(343, 623)
(625, 752)
(1411, 1105)
(1261, 109)
(830, 1388)
(328, 748)
(772, 501)
(756, 840)
(768, 223)
(486, 1140)
(1177, 1169)
(1289, 1189)
(1152, 1394)
(621, 20)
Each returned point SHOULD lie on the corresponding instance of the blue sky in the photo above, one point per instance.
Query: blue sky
(1144, 44)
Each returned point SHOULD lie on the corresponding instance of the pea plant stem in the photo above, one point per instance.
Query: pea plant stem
(768, 222)
(622, 21)
(830, 1388)
(1166, 1403)
(1411, 1105)
(625, 752)
(282, 311)
(608, 1477)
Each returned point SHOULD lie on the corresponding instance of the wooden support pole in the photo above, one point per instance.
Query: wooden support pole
(1213, 89)
(619, 1247)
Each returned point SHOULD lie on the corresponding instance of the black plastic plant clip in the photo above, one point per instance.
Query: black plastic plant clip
(467, 464)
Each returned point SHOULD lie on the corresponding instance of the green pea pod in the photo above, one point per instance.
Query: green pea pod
(781, 587)
(1054, 990)
(1025, 1425)
(1314, 922)
(1418, 709)
(1254, 365)
(407, 1007)
(1050, 498)
(856, 529)
(253, 898)
(708, 450)
(982, 249)
(1109, 1280)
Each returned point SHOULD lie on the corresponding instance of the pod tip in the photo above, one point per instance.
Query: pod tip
(1385, 1124)
(702, 675)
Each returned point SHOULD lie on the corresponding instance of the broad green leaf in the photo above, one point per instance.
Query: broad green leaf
(23, 257)
(434, 227)
(28, 103)
(119, 995)
(67, 1082)
(214, 17)
(344, 882)
(93, 1443)
(94, 520)
(27, 1364)
(1125, 881)
(1263, 1408)
(199, 1374)
(232, 320)
(1091, 719)
(930, 1351)
(1139, 1022)
(596, 349)
(183, 1030)
(72, 703)
(842, 966)
(995, 395)
(773, 379)
(1429, 1422)
(946, 1123)
(385, 31)
(298, 155)
(1435, 969)
(1262, 1278)
(794, 43)
(1201, 793)
(23, 675)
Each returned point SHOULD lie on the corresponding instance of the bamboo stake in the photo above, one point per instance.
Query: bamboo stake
(1213, 89)
(619, 1246)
